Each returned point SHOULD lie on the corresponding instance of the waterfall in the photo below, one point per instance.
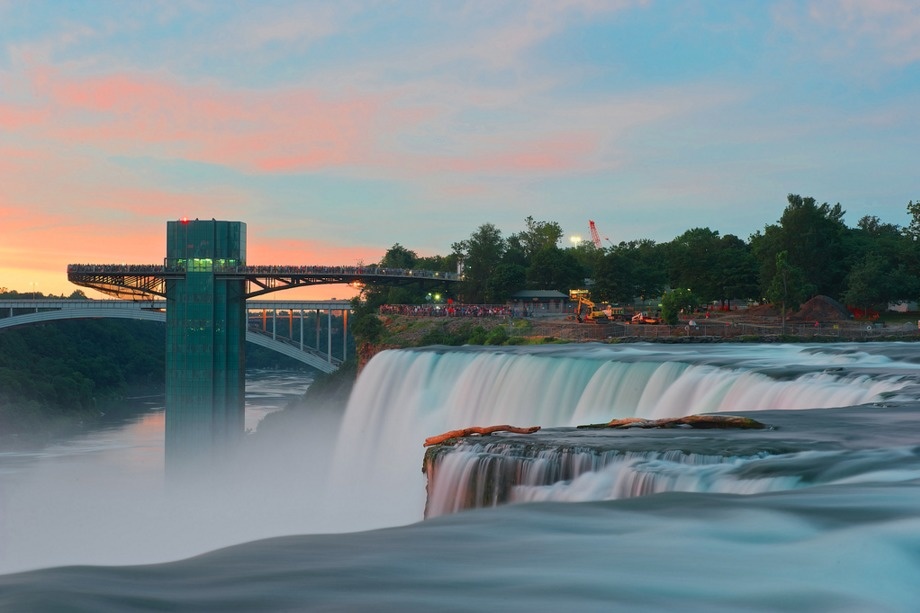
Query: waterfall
(405, 396)
(473, 475)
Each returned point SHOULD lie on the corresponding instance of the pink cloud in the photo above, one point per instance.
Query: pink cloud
(292, 130)
(16, 117)
(295, 130)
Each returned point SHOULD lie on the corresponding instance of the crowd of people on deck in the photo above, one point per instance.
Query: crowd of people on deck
(266, 270)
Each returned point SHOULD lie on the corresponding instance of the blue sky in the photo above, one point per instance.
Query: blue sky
(336, 129)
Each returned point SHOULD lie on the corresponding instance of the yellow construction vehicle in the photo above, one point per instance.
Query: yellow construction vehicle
(587, 310)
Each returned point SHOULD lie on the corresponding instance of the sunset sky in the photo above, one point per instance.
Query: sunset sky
(337, 129)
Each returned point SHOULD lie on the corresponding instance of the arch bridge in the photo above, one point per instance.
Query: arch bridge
(263, 317)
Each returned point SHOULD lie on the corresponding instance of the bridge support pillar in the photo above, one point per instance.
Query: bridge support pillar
(205, 335)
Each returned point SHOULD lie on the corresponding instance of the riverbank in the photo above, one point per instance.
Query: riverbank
(403, 331)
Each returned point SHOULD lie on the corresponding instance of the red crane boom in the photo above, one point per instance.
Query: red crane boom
(595, 237)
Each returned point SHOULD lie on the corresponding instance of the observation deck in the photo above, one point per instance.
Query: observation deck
(145, 281)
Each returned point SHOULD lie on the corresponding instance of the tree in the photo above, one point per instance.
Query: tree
(865, 283)
(885, 264)
(480, 254)
(813, 237)
(553, 268)
(631, 270)
(695, 260)
(873, 227)
(366, 326)
(398, 256)
(506, 279)
(589, 259)
(538, 236)
(515, 252)
(913, 228)
(737, 270)
(675, 301)
(376, 294)
(789, 287)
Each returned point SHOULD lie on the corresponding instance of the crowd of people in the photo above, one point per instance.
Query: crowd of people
(263, 270)
(104, 268)
(447, 310)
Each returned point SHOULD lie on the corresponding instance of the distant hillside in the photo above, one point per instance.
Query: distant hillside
(76, 369)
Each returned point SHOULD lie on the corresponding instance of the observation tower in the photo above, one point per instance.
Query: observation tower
(205, 336)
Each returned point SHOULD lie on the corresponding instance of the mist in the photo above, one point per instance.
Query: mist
(99, 500)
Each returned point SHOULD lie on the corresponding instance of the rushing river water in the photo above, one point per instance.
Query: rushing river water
(821, 512)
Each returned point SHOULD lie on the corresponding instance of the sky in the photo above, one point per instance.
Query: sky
(336, 130)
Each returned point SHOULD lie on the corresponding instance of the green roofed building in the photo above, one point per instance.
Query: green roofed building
(206, 333)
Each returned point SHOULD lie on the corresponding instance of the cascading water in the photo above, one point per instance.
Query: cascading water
(404, 396)
(473, 474)
(829, 521)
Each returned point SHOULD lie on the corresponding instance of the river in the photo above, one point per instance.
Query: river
(323, 515)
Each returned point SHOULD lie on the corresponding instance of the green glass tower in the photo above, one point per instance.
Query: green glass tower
(205, 337)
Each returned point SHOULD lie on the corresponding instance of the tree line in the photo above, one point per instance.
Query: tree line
(807, 252)
(58, 371)
(56, 374)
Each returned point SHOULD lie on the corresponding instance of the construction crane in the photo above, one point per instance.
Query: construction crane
(595, 237)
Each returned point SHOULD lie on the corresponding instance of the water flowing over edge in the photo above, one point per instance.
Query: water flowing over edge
(404, 396)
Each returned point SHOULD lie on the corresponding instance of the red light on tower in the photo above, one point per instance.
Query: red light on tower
(184, 220)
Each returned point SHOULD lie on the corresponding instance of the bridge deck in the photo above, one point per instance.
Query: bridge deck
(138, 281)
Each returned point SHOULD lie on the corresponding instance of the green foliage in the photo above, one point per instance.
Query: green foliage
(366, 327)
(630, 271)
(913, 227)
(553, 268)
(506, 279)
(814, 238)
(480, 254)
(878, 279)
(789, 286)
(71, 367)
(675, 301)
(416, 292)
(478, 336)
(497, 336)
(398, 256)
(717, 268)
(539, 235)
(494, 268)
(444, 336)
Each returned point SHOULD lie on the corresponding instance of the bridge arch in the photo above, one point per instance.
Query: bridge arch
(312, 359)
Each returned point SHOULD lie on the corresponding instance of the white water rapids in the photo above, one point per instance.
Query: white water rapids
(405, 396)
